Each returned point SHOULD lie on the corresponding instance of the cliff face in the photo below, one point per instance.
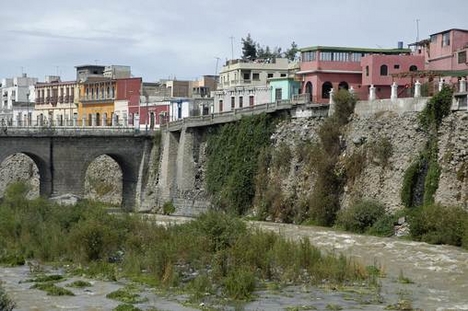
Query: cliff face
(382, 147)
(387, 144)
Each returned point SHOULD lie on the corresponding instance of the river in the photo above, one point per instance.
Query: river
(437, 275)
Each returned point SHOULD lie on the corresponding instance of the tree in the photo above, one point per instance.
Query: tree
(291, 52)
(249, 48)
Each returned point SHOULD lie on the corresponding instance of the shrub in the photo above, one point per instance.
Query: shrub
(382, 150)
(384, 226)
(6, 304)
(436, 109)
(168, 208)
(437, 224)
(360, 216)
(240, 283)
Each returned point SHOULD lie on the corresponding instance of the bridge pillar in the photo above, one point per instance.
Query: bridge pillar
(186, 167)
(168, 166)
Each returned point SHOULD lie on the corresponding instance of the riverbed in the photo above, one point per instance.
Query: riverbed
(427, 277)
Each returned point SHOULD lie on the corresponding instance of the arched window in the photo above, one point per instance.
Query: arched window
(383, 70)
(343, 85)
(308, 90)
(326, 88)
(413, 68)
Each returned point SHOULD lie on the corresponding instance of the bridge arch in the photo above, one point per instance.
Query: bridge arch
(43, 169)
(103, 180)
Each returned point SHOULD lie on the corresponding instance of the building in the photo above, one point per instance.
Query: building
(285, 88)
(323, 68)
(18, 96)
(55, 102)
(98, 96)
(245, 83)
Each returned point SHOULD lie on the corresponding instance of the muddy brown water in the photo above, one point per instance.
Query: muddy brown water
(439, 275)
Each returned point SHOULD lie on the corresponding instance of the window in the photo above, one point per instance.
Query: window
(383, 70)
(433, 38)
(367, 71)
(396, 66)
(462, 57)
(325, 56)
(308, 90)
(220, 105)
(251, 100)
(413, 68)
(241, 101)
(308, 56)
(326, 88)
(246, 75)
(233, 103)
(343, 85)
(283, 75)
(446, 39)
(270, 75)
(278, 94)
(256, 76)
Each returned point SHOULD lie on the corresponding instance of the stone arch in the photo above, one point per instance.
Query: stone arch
(33, 168)
(102, 180)
(309, 89)
(343, 85)
(326, 88)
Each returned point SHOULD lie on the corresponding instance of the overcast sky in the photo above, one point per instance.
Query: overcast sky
(186, 38)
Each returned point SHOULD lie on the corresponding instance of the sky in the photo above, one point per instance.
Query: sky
(186, 39)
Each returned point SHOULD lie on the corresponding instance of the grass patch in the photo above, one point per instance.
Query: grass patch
(52, 289)
(127, 295)
(6, 304)
(126, 307)
(80, 284)
(47, 278)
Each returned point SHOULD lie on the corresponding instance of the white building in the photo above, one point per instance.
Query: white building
(18, 95)
(245, 83)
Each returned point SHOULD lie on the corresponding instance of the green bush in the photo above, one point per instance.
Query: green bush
(168, 208)
(438, 224)
(6, 304)
(240, 283)
(436, 110)
(360, 216)
(384, 226)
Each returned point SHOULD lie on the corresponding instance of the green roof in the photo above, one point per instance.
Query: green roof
(353, 49)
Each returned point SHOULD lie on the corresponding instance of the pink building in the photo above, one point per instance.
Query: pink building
(446, 50)
(323, 68)
(380, 70)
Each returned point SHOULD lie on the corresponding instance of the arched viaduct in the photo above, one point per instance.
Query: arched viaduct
(62, 158)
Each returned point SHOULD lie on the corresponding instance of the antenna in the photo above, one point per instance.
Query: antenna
(232, 46)
(217, 60)
(417, 30)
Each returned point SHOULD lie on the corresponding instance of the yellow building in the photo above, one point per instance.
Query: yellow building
(96, 103)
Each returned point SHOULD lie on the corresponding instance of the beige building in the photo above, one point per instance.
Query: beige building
(56, 102)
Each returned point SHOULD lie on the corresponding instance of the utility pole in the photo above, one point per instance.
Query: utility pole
(417, 30)
(232, 47)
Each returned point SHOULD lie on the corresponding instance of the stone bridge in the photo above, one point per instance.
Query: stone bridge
(62, 156)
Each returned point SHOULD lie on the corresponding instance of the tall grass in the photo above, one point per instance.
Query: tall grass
(215, 249)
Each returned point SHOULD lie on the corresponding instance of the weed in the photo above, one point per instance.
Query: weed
(126, 307)
(80, 284)
(6, 304)
(168, 208)
(52, 289)
(126, 295)
(403, 279)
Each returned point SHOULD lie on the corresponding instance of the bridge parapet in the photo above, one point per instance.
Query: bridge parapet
(76, 131)
(228, 116)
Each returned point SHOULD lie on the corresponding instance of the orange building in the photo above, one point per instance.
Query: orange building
(96, 102)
